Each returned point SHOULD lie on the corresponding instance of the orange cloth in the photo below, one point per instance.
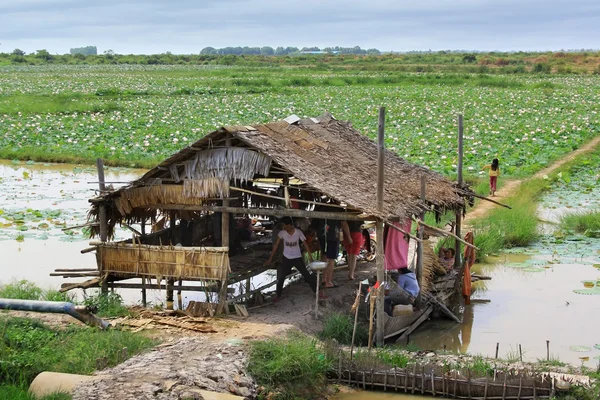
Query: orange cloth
(469, 260)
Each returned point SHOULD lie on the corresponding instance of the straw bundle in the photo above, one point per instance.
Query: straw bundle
(164, 261)
(431, 267)
(232, 163)
(206, 188)
(141, 197)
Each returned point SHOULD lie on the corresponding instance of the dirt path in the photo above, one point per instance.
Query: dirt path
(483, 207)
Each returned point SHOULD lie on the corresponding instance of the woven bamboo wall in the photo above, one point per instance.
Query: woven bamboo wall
(194, 263)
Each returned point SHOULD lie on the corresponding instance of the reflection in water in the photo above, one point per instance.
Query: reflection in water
(527, 308)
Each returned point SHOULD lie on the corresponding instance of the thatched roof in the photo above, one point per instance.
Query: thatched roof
(328, 155)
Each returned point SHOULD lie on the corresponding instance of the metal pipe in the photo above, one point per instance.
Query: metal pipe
(81, 313)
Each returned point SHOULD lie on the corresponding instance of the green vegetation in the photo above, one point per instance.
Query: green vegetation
(339, 327)
(14, 392)
(587, 223)
(28, 347)
(503, 228)
(138, 115)
(107, 305)
(284, 366)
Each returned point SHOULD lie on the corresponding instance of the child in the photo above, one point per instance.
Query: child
(494, 173)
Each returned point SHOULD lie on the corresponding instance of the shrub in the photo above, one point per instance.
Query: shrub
(285, 366)
(587, 223)
(340, 326)
(108, 304)
(22, 290)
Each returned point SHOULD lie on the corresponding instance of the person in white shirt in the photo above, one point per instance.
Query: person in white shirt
(292, 256)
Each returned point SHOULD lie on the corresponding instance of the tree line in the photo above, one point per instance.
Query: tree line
(285, 51)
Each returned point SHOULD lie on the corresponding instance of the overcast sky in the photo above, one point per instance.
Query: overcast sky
(187, 26)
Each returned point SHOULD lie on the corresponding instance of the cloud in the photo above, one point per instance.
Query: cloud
(186, 26)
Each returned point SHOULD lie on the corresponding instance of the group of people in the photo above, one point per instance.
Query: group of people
(322, 238)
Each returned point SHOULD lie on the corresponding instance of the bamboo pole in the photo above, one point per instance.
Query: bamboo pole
(102, 218)
(270, 196)
(380, 258)
(457, 228)
(420, 236)
(371, 315)
(484, 198)
(403, 231)
(357, 302)
(224, 242)
(445, 233)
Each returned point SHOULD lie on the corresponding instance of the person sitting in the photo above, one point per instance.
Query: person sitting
(446, 256)
(405, 293)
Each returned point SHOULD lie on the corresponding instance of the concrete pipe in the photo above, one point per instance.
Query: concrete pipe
(82, 313)
(47, 383)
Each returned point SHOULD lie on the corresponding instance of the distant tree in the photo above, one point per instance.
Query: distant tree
(43, 55)
(280, 51)
(267, 51)
(109, 53)
(208, 51)
(373, 52)
(86, 51)
(18, 52)
(469, 58)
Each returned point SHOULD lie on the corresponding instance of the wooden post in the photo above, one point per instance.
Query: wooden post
(380, 259)
(179, 299)
(224, 243)
(102, 218)
(143, 226)
(144, 299)
(420, 236)
(547, 350)
(170, 283)
(173, 220)
(459, 179)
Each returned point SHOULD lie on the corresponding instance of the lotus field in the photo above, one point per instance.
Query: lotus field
(137, 115)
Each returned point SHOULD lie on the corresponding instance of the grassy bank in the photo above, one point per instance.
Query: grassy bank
(28, 346)
(586, 223)
(283, 366)
(504, 228)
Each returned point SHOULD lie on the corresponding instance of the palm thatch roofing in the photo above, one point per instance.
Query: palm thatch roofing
(328, 155)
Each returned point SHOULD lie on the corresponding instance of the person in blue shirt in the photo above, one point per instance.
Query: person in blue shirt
(406, 292)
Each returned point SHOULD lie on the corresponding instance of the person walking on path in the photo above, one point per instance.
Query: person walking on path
(494, 168)
(292, 256)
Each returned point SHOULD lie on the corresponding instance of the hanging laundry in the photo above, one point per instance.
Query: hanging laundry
(469, 260)
(396, 246)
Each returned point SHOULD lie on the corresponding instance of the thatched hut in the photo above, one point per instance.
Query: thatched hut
(315, 168)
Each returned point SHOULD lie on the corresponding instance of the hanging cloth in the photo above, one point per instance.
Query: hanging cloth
(469, 260)
(396, 246)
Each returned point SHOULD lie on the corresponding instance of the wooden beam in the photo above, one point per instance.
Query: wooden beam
(186, 288)
(485, 198)
(403, 231)
(269, 196)
(420, 235)
(459, 179)
(416, 324)
(445, 233)
(102, 218)
(266, 211)
(380, 258)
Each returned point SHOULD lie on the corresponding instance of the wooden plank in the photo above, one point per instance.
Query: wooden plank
(416, 324)
(80, 285)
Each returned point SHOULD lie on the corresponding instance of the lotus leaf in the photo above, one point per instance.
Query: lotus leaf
(580, 349)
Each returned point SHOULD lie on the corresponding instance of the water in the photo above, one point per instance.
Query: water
(526, 303)
(530, 298)
(37, 201)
